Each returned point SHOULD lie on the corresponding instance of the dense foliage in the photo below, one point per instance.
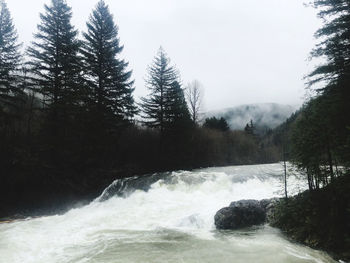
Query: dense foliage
(320, 138)
(10, 59)
(216, 124)
(319, 219)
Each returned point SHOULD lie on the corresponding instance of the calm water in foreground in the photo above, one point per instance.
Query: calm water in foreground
(172, 222)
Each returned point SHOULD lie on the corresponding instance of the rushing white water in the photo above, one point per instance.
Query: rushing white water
(171, 222)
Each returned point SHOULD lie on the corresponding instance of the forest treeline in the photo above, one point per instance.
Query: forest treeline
(317, 137)
(317, 140)
(69, 124)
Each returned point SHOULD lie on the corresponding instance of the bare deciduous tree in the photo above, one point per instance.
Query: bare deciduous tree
(194, 97)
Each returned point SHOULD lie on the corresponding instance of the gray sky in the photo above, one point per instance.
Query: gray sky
(242, 51)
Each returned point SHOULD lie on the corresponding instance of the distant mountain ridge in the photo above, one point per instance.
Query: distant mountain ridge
(264, 115)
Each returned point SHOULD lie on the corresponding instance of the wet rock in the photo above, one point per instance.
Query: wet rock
(269, 206)
(243, 213)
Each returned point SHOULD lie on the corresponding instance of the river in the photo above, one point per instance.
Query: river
(165, 217)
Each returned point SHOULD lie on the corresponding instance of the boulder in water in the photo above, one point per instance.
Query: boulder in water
(243, 213)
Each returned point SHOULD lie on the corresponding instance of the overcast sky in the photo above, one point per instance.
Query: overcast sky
(242, 51)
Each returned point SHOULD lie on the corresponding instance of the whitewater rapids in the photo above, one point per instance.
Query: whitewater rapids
(161, 218)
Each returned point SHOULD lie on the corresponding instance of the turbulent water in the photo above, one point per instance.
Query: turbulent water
(161, 218)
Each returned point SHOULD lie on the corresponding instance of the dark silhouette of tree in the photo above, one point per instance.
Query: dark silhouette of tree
(250, 128)
(54, 62)
(11, 92)
(10, 59)
(216, 124)
(160, 81)
(320, 137)
(334, 43)
(107, 75)
(311, 143)
(334, 73)
(177, 114)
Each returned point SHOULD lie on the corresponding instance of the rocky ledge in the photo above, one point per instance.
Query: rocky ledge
(245, 213)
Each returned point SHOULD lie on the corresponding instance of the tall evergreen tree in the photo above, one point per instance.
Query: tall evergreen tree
(250, 128)
(177, 114)
(334, 44)
(9, 59)
(10, 90)
(107, 75)
(160, 80)
(334, 47)
(310, 141)
(54, 60)
(320, 137)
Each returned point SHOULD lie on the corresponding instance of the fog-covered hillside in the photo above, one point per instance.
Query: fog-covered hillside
(264, 115)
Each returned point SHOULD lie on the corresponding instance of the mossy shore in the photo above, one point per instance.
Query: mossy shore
(319, 219)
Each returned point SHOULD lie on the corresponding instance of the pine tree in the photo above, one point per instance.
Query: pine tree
(334, 44)
(10, 58)
(334, 73)
(176, 114)
(250, 128)
(320, 138)
(54, 60)
(160, 80)
(311, 141)
(107, 75)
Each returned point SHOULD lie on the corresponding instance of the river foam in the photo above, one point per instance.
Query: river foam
(164, 218)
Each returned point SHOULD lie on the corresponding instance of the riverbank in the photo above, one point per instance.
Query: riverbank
(37, 189)
(34, 191)
(319, 219)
